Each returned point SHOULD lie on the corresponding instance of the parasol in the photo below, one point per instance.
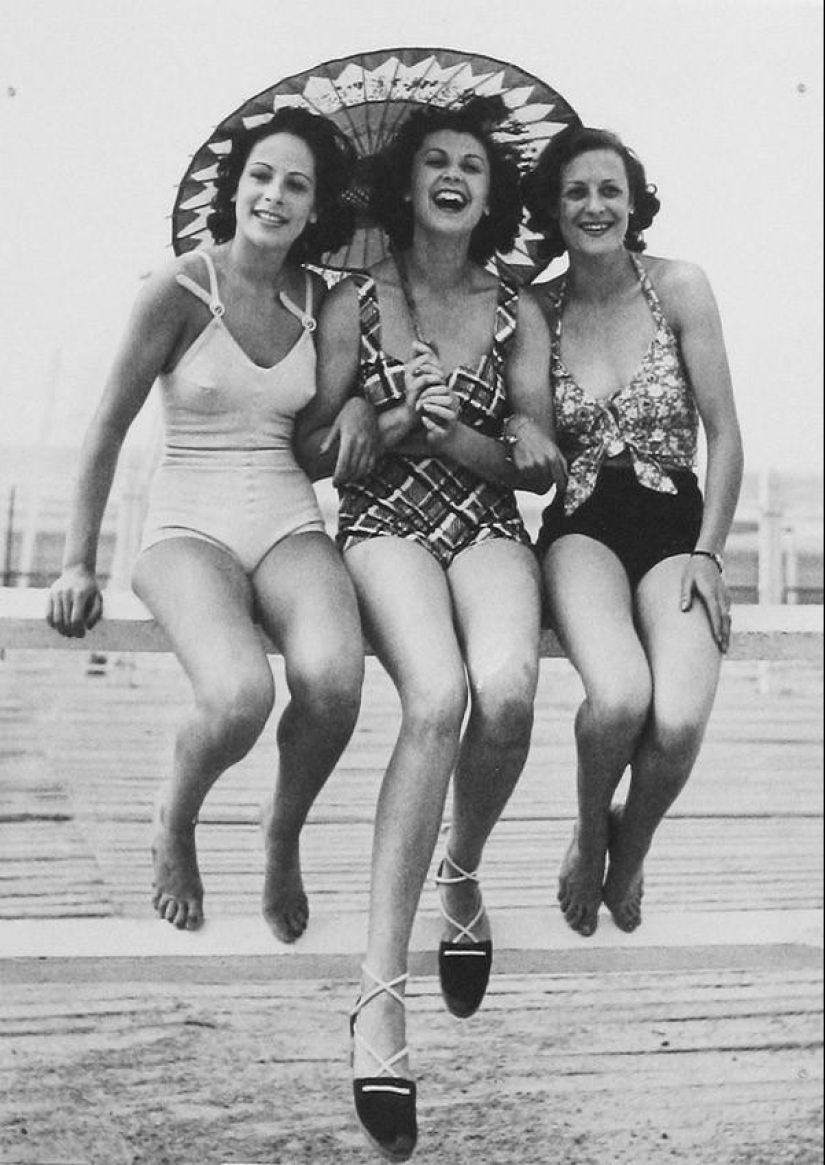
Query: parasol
(367, 96)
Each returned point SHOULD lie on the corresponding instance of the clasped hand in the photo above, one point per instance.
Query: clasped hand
(428, 395)
(532, 452)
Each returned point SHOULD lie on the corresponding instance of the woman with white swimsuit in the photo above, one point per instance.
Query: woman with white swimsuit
(234, 536)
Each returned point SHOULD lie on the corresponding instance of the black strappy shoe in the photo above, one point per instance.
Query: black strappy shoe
(463, 967)
(385, 1103)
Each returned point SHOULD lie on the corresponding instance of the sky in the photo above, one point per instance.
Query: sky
(102, 103)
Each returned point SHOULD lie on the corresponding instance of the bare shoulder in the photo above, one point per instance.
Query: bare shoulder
(161, 294)
(531, 309)
(338, 312)
(319, 287)
(547, 298)
(385, 272)
(682, 286)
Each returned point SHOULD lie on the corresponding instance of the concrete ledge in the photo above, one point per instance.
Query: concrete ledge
(759, 632)
(525, 941)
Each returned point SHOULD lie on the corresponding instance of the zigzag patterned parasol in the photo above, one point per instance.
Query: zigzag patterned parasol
(367, 96)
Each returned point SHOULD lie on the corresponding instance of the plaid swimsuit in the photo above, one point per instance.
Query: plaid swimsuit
(432, 500)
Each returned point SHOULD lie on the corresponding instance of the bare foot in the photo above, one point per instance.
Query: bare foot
(623, 888)
(177, 890)
(285, 905)
(580, 888)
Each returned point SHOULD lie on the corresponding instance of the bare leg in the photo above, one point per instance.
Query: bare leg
(495, 589)
(201, 598)
(685, 663)
(406, 607)
(591, 607)
(306, 601)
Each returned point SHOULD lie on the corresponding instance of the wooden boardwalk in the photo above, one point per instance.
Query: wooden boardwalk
(697, 1040)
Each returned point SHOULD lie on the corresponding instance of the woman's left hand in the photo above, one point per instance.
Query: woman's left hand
(702, 578)
(438, 407)
(356, 431)
(531, 450)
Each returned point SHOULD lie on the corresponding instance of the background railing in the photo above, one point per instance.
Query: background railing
(775, 551)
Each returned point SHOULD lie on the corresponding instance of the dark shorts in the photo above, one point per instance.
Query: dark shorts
(641, 526)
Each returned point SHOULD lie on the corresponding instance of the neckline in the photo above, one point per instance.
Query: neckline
(650, 298)
(474, 370)
(218, 310)
(253, 363)
(217, 322)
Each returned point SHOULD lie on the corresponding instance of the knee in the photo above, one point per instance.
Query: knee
(617, 708)
(327, 689)
(437, 709)
(503, 703)
(676, 735)
(236, 710)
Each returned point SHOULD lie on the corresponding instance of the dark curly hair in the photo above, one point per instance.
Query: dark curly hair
(334, 167)
(392, 168)
(541, 188)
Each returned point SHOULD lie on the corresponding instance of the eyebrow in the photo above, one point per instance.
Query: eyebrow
(269, 166)
(442, 150)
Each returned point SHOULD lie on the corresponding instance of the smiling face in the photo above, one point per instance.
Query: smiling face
(450, 182)
(275, 199)
(594, 202)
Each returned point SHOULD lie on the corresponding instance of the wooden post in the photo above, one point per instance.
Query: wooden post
(9, 543)
(771, 583)
(791, 561)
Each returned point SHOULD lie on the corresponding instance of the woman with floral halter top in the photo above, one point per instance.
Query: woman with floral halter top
(632, 553)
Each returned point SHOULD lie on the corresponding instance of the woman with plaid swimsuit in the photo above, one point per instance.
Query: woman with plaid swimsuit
(453, 360)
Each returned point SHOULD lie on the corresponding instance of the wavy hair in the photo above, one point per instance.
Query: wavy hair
(481, 118)
(541, 188)
(334, 167)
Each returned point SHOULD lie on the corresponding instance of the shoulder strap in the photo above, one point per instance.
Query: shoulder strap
(558, 301)
(648, 290)
(211, 297)
(304, 314)
(506, 312)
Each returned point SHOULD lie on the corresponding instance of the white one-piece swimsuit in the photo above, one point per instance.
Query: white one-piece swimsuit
(228, 474)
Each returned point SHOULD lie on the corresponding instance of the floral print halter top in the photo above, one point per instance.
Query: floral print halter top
(653, 417)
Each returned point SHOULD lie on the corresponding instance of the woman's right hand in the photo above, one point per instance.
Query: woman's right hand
(75, 603)
(422, 371)
(355, 430)
(532, 451)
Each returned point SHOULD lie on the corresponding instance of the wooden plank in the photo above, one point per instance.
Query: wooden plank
(780, 632)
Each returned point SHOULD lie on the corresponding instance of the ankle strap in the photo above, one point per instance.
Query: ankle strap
(463, 875)
(385, 1067)
(381, 986)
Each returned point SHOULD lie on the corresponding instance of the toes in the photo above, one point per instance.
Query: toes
(194, 918)
(287, 925)
(627, 922)
(588, 925)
